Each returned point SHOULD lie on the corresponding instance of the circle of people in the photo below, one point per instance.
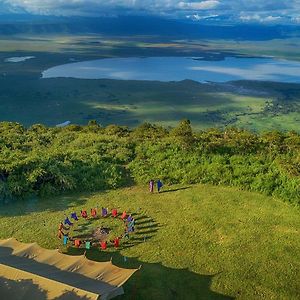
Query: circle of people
(126, 218)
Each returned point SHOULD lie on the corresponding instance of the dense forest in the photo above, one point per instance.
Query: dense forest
(47, 161)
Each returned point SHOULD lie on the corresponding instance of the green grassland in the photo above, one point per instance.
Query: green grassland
(193, 242)
(280, 48)
(28, 99)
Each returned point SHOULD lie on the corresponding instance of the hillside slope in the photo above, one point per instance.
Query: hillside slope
(193, 242)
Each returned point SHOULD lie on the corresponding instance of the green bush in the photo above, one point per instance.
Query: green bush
(43, 161)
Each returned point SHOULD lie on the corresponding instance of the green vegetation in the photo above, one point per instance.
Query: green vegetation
(280, 48)
(28, 99)
(194, 242)
(242, 104)
(202, 242)
(46, 161)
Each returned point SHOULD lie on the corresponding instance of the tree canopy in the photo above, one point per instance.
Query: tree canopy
(44, 161)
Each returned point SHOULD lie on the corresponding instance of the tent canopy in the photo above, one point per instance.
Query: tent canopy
(59, 273)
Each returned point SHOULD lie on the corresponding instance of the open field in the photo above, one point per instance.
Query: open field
(28, 99)
(201, 242)
(53, 101)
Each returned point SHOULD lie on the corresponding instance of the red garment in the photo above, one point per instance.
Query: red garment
(114, 213)
(77, 243)
(84, 214)
(124, 215)
(117, 242)
(103, 245)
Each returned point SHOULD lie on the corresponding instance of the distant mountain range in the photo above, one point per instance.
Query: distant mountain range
(142, 25)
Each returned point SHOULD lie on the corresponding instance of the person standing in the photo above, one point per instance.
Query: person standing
(159, 185)
(151, 186)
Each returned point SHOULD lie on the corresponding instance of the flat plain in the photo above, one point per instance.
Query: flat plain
(28, 99)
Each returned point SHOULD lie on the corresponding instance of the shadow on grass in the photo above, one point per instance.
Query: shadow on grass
(46, 271)
(35, 204)
(21, 289)
(175, 190)
(156, 281)
(152, 281)
(26, 289)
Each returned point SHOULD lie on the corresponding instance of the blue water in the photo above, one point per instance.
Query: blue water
(180, 68)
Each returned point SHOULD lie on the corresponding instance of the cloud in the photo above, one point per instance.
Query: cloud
(259, 18)
(296, 19)
(203, 5)
(197, 17)
(46, 6)
(240, 10)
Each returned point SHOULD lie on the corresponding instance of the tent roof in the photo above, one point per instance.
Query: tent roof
(57, 272)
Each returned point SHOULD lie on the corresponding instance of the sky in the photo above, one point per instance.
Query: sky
(247, 11)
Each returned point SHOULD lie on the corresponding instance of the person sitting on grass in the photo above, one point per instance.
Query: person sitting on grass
(74, 216)
(116, 242)
(68, 222)
(84, 214)
(103, 245)
(124, 215)
(94, 212)
(60, 233)
(77, 243)
(130, 228)
(114, 212)
(129, 218)
(66, 238)
(62, 227)
(131, 223)
(87, 245)
(104, 212)
(126, 233)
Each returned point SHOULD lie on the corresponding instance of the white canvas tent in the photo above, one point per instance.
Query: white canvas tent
(58, 273)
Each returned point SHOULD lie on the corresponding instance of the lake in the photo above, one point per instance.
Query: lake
(180, 68)
(17, 59)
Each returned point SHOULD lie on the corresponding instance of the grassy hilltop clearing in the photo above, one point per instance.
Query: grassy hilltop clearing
(193, 242)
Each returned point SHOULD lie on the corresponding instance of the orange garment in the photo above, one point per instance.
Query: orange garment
(103, 245)
(114, 212)
(93, 212)
(124, 215)
(59, 234)
(77, 243)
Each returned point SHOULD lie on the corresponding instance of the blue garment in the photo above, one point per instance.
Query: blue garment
(159, 185)
(104, 212)
(129, 219)
(130, 228)
(74, 216)
(66, 238)
(68, 222)
(131, 223)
